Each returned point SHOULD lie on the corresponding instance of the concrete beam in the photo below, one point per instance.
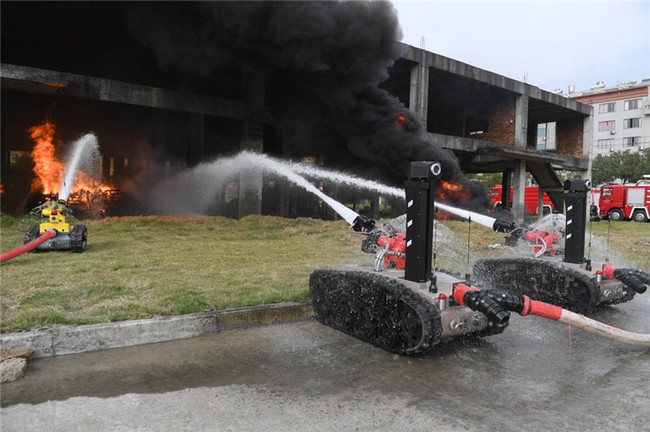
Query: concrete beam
(468, 71)
(461, 144)
(45, 81)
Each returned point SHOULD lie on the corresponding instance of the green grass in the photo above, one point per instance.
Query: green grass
(143, 266)
(139, 267)
(630, 240)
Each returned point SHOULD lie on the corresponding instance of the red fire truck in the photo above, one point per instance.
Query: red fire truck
(531, 195)
(625, 201)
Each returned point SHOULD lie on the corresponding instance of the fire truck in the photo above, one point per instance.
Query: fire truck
(531, 195)
(626, 201)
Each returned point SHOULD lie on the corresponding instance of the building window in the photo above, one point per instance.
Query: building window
(632, 104)
(546, 136)
(605, 143)
(630, 141)
(607, 107)
(632, 123)
(606, 125)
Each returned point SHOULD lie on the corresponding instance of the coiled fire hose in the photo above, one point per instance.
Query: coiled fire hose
(523, 305)
(47, 235)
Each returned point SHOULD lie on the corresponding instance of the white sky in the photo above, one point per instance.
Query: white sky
(548, 44)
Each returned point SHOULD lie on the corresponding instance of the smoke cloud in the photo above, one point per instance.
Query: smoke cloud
(323, 63)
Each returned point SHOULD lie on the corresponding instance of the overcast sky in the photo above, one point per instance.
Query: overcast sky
(548, 44)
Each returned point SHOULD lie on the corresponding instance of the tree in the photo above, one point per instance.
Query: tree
(624, 166)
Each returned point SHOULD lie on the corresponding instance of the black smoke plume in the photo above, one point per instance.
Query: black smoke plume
(323, 63)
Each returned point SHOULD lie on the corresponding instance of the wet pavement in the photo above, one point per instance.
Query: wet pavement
(537, 375)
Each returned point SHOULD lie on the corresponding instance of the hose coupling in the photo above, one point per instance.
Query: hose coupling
(481, 302)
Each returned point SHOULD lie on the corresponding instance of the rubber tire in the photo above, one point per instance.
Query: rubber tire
(615, 215)
(639, 216)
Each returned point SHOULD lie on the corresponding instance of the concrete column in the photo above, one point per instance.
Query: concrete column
(419, 95)
(251, 180)
(505, 189)
(521, 121)
(197, 139)
(518, 191)
(540, 203)
(588, 141)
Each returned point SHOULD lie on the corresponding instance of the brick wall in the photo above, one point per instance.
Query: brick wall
(501, 123)
(569, 137)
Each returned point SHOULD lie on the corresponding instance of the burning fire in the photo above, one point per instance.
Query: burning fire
(48, 170)
(452, 192)
(87, 193)
(400, 120)
(456, 194)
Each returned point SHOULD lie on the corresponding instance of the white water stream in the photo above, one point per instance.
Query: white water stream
(486, 221)
(84, 151)
(287, 171)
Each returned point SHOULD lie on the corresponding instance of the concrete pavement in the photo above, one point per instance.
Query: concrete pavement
(305, 376)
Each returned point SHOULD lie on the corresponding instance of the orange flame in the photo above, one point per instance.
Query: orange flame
(48, 170)
(400, 120)
(452, 191)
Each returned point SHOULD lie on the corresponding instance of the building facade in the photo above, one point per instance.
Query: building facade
(621, 116)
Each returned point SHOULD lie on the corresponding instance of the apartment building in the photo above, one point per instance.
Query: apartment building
(621, 116)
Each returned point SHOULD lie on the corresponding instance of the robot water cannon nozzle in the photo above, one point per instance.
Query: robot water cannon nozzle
(636, 279)
(59, 206)
(503, 226)
(363, 224)
(543, 241)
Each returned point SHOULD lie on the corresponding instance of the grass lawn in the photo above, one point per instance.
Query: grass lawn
(142, 266)
(139, 267)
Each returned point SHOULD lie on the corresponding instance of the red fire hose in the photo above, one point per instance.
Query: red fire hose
(49, 234)
(523, 305)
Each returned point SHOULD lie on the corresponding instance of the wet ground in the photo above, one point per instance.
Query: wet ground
(537, 375)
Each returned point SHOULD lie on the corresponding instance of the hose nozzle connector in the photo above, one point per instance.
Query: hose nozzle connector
(633, 278)
(476, 300)
(509, 302)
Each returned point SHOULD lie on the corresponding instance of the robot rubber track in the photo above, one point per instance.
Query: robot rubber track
(545, 280)
(375, 309)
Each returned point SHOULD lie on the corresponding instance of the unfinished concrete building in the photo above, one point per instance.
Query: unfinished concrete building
(78, 64)
(496, 124)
